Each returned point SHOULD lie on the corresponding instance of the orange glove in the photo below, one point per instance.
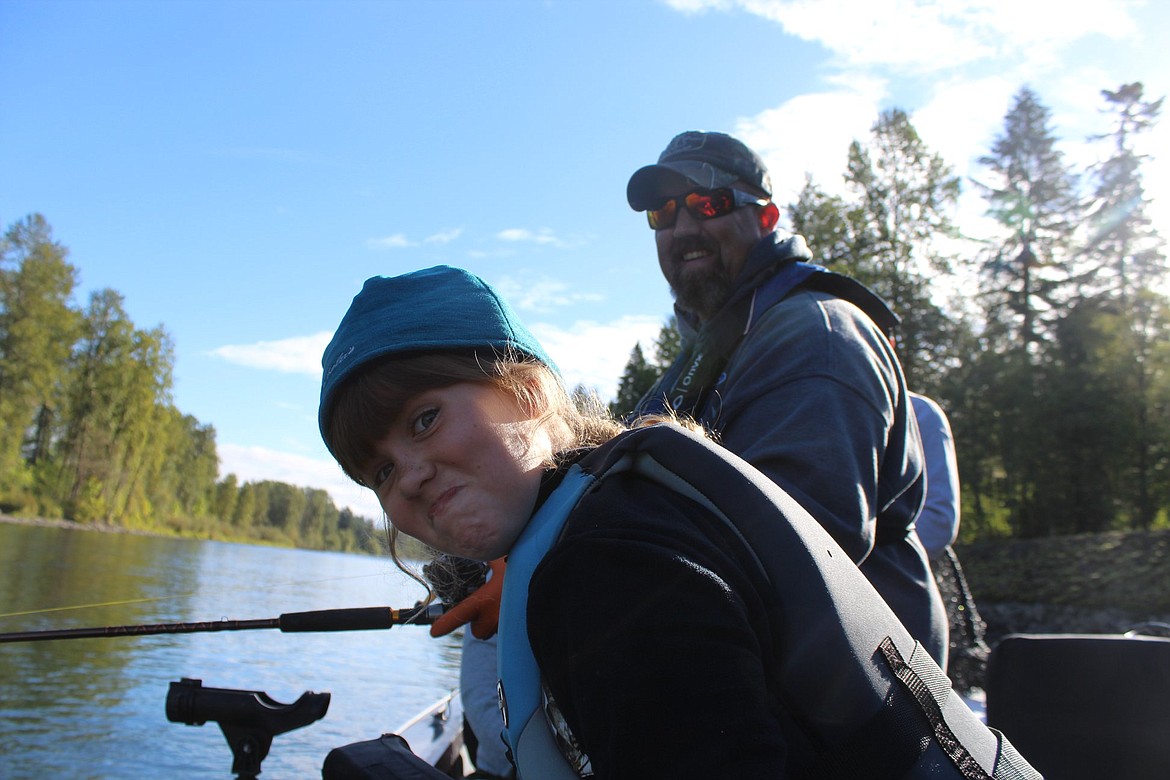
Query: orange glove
(481, 608)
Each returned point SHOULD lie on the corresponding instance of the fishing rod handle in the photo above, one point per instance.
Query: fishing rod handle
(356, 619)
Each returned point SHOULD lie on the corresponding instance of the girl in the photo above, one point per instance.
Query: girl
(666, 611)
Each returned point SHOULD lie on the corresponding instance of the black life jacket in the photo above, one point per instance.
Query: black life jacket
(866, 696)
(687, 385)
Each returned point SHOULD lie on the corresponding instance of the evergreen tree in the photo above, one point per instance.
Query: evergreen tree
(637, 378)
(1124, 244)
(667, 345)
(1034, 198)
(835, 232)
(1081, 414)
(905, 196)
(641, 372)
(1026, 281)
(968, 392)
(1126, 258)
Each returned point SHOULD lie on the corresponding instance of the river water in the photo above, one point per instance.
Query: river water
(96, 708)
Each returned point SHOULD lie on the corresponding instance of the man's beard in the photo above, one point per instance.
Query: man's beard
(701, 292)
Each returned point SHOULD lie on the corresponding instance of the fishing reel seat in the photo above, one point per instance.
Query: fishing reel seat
(249, 719)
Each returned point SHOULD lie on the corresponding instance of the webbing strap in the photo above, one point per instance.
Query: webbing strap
(917, 687)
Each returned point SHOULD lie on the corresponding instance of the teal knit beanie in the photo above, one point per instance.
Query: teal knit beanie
(432, 310)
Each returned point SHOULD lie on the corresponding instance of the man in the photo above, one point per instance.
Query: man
(790, 365)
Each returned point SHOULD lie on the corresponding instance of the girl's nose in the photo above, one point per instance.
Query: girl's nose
(413, 475)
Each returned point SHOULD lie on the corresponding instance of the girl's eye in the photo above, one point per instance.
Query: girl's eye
(425, 420)
(383, 474)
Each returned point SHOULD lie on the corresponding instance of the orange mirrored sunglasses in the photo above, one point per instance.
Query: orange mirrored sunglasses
(702, 204)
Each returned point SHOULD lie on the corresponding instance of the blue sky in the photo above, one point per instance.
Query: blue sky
(237, 169)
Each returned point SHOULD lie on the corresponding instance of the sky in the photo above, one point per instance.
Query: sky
(236, 170)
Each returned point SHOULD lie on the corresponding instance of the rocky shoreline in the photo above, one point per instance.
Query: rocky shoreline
(1086, 584)
(1017, 618)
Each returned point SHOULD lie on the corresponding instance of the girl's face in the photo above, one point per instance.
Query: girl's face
(459, 469)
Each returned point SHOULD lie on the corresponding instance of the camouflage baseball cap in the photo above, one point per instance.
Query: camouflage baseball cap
(707, 160)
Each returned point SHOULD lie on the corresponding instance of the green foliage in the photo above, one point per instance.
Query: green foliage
(1056, 376)
(1069, 426)
(638, 377)
(36, 329)
(1028, 270)
(888, 236)
(641, 372)
(1123, 252)
(88, 430)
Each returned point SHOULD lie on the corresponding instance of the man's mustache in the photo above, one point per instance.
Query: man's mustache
(681, 246)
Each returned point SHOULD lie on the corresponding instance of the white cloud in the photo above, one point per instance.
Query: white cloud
(587, 352)
(401, 241)
(542, 295)
(926, 36)
(1035, 29)
(964, 115)
(963, 118)
(979, 54)
(901, 34)
(811, 134)
(297, 355)
(444, 237)
(1157, 181)
(594, 354)
(698, 6)
(257, 464)
(960, 122)
(396, 241)
(542, 236)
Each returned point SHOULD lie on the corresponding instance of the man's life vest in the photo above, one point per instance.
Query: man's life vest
(686, 385)
(690, 385)
(866, 695)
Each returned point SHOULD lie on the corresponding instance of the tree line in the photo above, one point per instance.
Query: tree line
(89, 432)
(1044, 336)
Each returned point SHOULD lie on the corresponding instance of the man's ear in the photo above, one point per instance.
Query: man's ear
(769, 216)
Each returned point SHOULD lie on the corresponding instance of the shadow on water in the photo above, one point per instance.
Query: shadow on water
(95, 708)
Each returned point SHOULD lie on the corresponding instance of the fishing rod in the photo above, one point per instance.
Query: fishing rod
(352, 619)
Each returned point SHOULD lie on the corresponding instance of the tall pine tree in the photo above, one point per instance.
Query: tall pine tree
(1032, 194)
